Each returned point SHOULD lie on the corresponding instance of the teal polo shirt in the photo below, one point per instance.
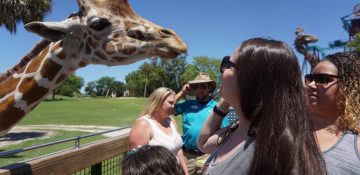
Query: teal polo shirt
(194, 115)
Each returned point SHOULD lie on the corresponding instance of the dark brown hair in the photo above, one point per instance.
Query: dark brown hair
(271, 96)
(154, 160)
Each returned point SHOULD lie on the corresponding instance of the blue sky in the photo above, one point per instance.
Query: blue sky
(210, 28)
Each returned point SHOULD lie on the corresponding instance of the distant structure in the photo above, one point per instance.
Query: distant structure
(351, 22)
(313, 54)
(126, 93)
(302, 41)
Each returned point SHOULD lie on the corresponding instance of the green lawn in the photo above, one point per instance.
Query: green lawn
(76, 111)
(86, 111)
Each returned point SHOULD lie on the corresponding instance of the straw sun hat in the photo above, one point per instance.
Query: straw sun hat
(204, 78)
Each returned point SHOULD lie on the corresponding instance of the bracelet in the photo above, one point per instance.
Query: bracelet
(217, 111)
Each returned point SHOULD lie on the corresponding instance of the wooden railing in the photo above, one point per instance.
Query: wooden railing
(89, 157)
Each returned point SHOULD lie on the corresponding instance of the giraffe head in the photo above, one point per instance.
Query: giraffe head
(109, 32)
(302, 38)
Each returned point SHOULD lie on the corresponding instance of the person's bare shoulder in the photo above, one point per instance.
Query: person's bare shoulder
(140, 133)
(142, 126)
(140, 122)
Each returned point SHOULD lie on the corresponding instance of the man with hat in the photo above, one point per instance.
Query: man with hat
(194, 113)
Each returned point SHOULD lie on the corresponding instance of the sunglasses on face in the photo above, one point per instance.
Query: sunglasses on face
(320, 79)
(226, 64)
(196, 86)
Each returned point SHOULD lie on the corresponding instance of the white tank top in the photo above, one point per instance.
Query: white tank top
(172, 142)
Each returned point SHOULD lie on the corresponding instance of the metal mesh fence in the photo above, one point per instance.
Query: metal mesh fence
(107, 167)
(112, 166)
(86, 171)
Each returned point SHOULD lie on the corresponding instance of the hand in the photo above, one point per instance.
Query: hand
(186, 89)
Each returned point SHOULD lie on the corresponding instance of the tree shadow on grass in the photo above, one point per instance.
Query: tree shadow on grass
(11, 156)
(13, 137)
(22, 135)
(53, 100)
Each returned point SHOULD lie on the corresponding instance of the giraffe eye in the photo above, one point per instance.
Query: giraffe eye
(100, 24)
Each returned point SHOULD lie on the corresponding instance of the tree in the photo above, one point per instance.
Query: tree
(105, 86)
(134, 83)
(355, 44)
(209, 65)
(70, 86)
(14, 11)
(90, 89)
(205, 64)
(189, 74)
(146, 70)
(174, 69)
(169, 73)
(117, 88)
(160, 72)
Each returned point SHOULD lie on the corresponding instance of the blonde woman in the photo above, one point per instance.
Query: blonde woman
(157, 127)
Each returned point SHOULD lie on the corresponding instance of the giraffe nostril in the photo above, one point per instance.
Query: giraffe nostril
(167, 32)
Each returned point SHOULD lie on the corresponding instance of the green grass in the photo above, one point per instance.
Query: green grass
(76, 111)
(86, 111)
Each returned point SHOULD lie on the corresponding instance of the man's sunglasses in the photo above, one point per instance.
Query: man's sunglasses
(226, 64)
(320, 79)
(199, 85)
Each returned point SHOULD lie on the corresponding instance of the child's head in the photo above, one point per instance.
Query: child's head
(154, 160)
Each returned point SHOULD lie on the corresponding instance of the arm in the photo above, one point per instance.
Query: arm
(185, 90)
(209, 134)
(140, 134)
(182, 161)
(180, 154)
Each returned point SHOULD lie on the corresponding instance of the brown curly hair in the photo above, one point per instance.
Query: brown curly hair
(348, 65)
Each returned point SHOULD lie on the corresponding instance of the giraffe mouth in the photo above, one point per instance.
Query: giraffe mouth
(167, 53)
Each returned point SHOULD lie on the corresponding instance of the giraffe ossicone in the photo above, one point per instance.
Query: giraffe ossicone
(106, 32)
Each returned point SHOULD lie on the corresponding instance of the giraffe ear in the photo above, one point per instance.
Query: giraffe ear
(51, 31)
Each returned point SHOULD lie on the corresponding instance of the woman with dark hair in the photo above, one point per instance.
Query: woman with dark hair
(154, 160)
(262, 81)
(333, 92)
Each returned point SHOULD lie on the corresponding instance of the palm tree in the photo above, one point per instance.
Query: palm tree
(14, 11)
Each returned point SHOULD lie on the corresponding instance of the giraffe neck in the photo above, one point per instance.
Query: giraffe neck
(33, 52)
(31, 82)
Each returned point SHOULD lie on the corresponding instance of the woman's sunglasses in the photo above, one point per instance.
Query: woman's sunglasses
(320, 79)
(199, 85)
(226, 64)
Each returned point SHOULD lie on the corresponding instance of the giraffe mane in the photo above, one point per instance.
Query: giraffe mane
(29, 56)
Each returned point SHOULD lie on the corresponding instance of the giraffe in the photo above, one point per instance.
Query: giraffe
(301, 44)
(106, 32)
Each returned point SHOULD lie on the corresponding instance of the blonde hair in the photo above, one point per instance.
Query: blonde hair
(156, 99)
